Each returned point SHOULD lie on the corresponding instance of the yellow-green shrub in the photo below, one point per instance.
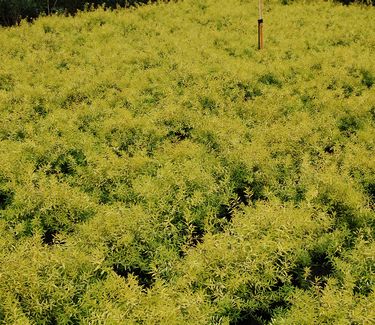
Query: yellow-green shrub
(156, 168)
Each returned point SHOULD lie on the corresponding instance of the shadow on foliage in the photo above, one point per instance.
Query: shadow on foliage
(248, 189)
(241, 91)
(145, 279)
(74, 98)
(343, 215)
(260, 316)
(197, 235)
(246, 194)
(6, 82)
(349, 125)
(363, 286)
(368, 79)
(320, 268)
(249, 91)
(330, 149)
(249, 184)
(65, 163)
(6, 198)
(50, 237)
(180, 133)
(270, 79)
(40, 110)
(225, 212)
(370, 190)
(208, 104)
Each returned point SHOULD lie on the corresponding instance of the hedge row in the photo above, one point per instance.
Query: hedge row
(12, 11)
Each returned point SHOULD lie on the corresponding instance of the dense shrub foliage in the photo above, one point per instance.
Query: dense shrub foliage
(156, 168)
(12, 11)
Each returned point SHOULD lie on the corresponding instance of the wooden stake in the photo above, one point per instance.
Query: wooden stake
(260, 26)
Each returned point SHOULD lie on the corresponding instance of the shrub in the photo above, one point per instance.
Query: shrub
(156, 168)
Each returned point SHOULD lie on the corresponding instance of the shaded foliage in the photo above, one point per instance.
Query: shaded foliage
(12, 11)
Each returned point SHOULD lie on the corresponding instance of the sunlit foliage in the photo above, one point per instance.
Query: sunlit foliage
(156, 168)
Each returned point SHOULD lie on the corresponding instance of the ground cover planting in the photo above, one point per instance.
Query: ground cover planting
(157, 168)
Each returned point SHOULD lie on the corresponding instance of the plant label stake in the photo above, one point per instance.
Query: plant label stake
(260, 25)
